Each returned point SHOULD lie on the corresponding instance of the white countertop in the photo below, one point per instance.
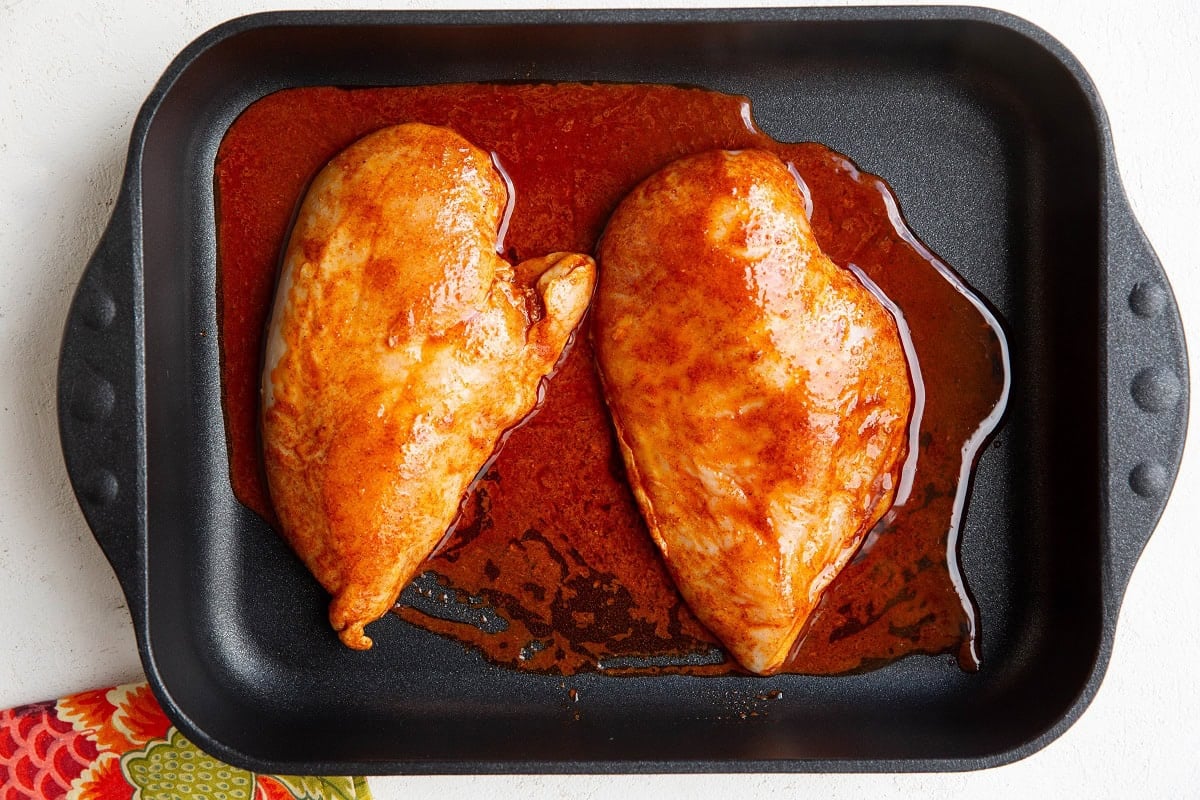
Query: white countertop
(73, 78)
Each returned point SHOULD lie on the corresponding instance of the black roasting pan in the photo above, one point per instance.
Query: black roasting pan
(998, 148)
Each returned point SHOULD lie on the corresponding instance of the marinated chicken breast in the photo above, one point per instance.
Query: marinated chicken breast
(400, 350)
(760, 393)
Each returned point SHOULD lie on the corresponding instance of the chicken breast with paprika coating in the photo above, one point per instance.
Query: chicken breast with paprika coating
(400, 350)
(759, 391)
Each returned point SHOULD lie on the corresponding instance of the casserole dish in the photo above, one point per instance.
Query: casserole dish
(996, 144)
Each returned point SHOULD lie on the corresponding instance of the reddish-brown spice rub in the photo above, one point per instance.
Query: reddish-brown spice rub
(551, 542)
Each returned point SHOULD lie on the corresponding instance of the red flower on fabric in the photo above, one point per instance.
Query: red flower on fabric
(103, 780)
(138, 714)
(40, 754)
(117, 744)
(267, 788)
(91, 712)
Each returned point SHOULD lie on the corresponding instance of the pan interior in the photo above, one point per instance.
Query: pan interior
(995, 153)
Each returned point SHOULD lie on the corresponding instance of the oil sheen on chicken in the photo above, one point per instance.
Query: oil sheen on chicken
(400, 350)
(760, 393)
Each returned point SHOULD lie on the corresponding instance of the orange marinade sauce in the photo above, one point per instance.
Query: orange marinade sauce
(550, 567)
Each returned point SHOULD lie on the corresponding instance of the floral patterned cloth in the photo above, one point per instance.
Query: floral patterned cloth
(116, 744)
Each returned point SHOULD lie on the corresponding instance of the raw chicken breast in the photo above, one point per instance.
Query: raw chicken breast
(400, 350)
(760, 393)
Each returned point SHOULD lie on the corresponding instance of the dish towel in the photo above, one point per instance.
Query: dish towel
(116, 744)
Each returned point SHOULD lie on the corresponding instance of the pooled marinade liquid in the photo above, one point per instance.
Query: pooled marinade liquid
(550, 567)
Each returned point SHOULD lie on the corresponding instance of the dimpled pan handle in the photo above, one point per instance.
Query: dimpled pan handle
(99, 402)
(1147, 390)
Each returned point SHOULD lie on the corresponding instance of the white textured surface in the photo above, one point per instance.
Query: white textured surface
(73, 78)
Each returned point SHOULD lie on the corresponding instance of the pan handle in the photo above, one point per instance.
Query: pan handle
(99, 402)
(1147, 390)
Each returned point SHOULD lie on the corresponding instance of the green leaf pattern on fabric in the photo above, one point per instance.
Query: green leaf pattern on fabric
(175, 768)
(307, 787)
